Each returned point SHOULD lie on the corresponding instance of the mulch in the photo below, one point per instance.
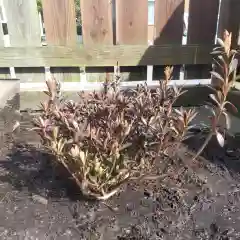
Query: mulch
(189, 200)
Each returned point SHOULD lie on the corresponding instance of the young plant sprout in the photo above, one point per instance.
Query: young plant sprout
(226, 62)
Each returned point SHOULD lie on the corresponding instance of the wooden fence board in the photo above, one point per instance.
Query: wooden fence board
(131, 21)
(168, 28)
(97, 22)
(126, 55)
(4, 72)
(60, 25)
(202, 28)
(132, 28)
(169, 21)
(97, 25)
(229, 19)
(24, 30)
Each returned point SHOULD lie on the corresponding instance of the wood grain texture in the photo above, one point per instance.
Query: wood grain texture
(131, 21)
(97, 25)
(132, 28)
(202, 25)
(4, 72)
(24, 30)
(126, 55)
(168, 21)
(202, 28)
(60, 25)
(23, 22)
(229, 19)
(97, 22)
(60, 22)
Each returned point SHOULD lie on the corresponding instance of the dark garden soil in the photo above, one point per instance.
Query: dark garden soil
(186, 200)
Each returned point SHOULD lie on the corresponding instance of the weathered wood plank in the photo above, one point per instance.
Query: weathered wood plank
(168, 29)
(97, 22)
(4, 72)
(97, 28)
(23, 22)
(131, 21)
(24, 30)
(132, 28)
(168, 21)
(126, 55)
(229, 19)
(202, 24)
(202, 28)
(60, 24)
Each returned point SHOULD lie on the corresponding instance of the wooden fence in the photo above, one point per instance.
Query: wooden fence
(114, 31)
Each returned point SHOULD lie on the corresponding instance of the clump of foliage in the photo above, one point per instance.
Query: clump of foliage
(108, 137)
(225, 68)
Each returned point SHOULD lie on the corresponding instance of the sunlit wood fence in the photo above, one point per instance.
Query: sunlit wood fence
(178, 32)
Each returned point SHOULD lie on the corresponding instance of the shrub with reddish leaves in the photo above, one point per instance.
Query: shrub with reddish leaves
(107, 137)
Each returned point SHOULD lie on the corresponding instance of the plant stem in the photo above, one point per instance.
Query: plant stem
(210, 135)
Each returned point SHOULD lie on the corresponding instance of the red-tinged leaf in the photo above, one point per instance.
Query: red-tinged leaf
(220, 57)
(47, 93)
(217, 48)
(228, 120)
(144, 120)
(211, 109)
(16, 126)
(220, 42)
(233, 65)
(214, 98)
(233, 107)
(217, 75)
(192, 116)
(220, 139)
(217, 52)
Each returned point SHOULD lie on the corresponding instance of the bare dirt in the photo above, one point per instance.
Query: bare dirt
(199, 200)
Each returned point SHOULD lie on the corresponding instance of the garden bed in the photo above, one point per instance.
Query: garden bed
(185, 200)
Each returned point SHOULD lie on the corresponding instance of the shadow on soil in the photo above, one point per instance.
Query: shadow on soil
(227, 157)
(32, 169)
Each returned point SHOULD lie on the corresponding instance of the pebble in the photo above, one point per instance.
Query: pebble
(40, 199)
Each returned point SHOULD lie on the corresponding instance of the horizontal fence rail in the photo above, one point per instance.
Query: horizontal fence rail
(125, 55)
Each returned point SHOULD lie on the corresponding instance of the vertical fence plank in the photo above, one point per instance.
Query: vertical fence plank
(97, 26)
(97, 22)
(132, 28)
(4, 72)
(169, 21)
(131, 23)
(202, 27)
(60, 22)
(60, 25)
(24, 30)
(229, 19)
(22, 22)
(168, 28)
